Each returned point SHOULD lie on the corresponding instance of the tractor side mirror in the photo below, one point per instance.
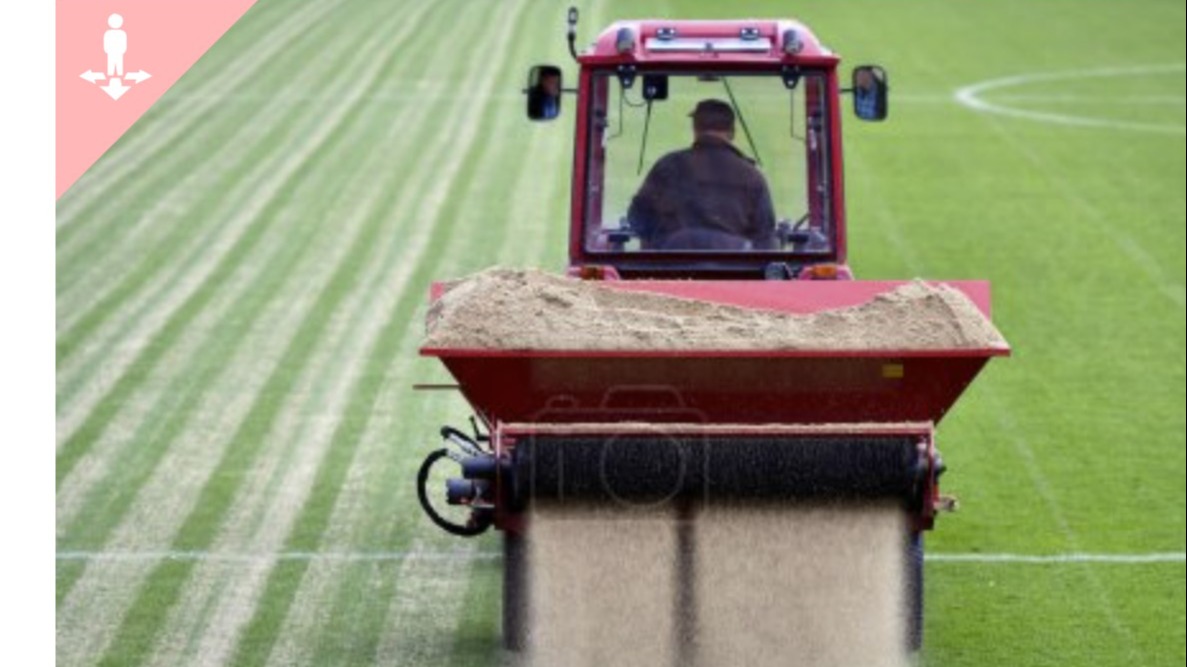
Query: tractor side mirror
(544, 92)
(870, 93)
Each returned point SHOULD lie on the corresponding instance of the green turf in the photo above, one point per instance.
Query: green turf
(282, 197)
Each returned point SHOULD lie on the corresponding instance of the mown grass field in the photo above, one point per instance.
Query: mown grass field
(241, 284)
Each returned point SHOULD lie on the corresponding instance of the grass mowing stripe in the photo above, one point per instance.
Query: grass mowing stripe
(416, 581)
(189, 385)
(82, 384)
(860, 177)
(355, 631)
(410, 189)
(176, 183)
(140, 626)
(1137, 255)
(106, 408)
(178, 136)
(388, 637)
(76, 206)
(279, 556)
(101, 517)
(186, 382)
(182, 490)
(216, 602)
(184, 237)
(88, 192)
(477, 641)
(259, 637)
(105, 364)
(1025, 451)
(207, 617)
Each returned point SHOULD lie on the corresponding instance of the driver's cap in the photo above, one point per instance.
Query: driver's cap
(713, 115)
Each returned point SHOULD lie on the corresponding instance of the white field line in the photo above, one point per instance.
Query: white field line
(1129, 246)
(975, 558)
(948, 99)
(1117, 100)
(83, 631)
(112, 349)
(128, 157)
(293, 643)
(971, 97)
(105, 452)
(1059, 559)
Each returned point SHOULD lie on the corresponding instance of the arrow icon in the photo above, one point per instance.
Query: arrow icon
(92, 77)
(138, 77)
(115, 88)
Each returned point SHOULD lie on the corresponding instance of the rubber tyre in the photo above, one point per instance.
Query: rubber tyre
(515, 592)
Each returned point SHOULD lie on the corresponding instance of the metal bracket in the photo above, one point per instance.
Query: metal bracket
(627, 75)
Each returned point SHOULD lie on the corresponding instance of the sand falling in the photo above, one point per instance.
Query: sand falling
(726, 585)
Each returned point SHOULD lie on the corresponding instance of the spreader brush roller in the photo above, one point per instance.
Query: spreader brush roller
(647, 470)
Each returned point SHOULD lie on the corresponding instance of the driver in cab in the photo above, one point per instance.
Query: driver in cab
(706, 197)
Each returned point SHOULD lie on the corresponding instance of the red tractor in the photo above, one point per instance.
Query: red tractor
(682, 426)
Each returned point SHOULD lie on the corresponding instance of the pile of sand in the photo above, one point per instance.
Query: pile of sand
(514, 309)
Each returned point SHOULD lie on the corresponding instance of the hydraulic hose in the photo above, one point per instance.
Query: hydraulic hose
(475, 526)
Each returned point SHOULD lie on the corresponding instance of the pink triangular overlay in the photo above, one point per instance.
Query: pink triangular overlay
(164, 39)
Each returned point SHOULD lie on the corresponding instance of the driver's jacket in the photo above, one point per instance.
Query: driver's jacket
(707, 197)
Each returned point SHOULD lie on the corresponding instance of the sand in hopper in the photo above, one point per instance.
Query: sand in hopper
(770, 585)
(524, 309)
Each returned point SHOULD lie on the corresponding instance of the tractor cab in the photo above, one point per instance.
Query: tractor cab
(659, 191)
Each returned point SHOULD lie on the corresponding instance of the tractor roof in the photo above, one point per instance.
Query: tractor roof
(741, 41)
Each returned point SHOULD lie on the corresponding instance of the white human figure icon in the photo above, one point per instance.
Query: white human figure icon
(115, 44)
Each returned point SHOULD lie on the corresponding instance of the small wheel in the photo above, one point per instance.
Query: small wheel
(914, 592)
(515, 592)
